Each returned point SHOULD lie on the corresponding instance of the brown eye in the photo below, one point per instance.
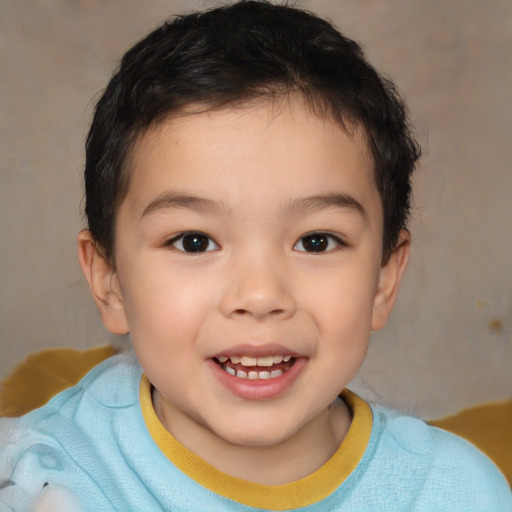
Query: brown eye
(194, 242)
(318, 242)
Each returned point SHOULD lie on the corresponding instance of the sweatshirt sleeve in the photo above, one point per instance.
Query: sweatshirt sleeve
(464, 478)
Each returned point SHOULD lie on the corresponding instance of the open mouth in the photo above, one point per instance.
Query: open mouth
(247, 367)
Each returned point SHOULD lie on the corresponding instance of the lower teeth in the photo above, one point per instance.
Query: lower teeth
(253, 375)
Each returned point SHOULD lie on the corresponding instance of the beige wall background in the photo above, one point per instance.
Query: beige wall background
(449, 342)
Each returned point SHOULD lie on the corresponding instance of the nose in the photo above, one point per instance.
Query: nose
(259, 288)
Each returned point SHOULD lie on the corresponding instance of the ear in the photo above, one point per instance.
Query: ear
(390, 276)
(104, 284)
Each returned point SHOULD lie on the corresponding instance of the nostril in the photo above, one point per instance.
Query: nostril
(273, 312)
(257, 303)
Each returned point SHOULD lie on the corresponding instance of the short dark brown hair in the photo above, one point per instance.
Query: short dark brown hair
(236, 53)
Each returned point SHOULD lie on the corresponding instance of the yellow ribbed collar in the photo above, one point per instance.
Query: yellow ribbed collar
(301, 493)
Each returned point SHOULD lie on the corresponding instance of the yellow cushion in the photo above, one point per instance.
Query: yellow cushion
(44, 374)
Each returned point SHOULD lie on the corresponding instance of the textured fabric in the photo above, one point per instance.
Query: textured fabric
(488, 426)
(89, 449)
(305, 491)
(43, 374)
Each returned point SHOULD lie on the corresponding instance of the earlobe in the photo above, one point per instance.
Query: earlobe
(390, 276)
(104, 284)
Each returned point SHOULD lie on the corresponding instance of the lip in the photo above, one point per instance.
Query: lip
(257, 351)
(258, 389)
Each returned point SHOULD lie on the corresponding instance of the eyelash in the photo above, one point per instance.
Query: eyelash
(193, 234)
(324, 242)
(319, 239)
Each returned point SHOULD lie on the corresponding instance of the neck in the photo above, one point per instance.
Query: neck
(290, 460)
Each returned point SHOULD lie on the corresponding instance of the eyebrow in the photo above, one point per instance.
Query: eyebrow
(320, 202)
(310, 204)
(173, 200)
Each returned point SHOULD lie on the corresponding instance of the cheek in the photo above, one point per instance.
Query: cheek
(160, 303)
(344, 299)
(343, 318)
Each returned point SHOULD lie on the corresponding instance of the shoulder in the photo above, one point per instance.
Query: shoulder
(466, 470)
(110, 386)
(112, 383)
(453, 471)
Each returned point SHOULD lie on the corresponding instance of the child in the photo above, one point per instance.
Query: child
(247, 188)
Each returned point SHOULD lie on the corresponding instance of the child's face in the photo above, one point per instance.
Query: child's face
(284, 214)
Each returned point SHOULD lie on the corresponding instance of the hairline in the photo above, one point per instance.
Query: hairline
(267, 94)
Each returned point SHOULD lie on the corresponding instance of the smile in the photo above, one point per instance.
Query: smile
(254, 368)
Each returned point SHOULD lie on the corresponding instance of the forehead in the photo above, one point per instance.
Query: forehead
(261, 151)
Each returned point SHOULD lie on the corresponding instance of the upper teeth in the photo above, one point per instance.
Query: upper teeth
(256, 361)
